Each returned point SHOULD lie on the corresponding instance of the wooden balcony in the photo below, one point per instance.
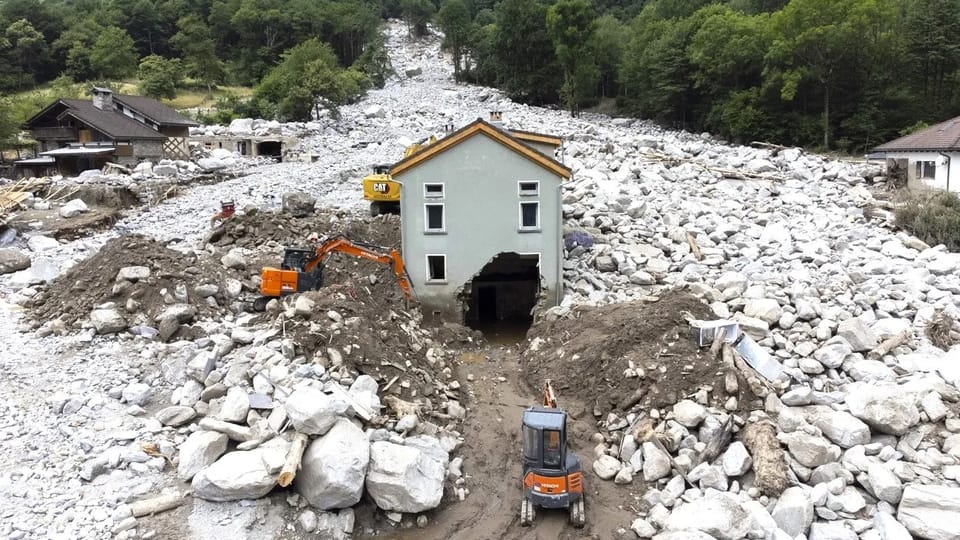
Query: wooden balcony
(54, 133)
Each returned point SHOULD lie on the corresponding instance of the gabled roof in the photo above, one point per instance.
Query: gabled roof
(533, 136)
(478, 127)
(154, 110)
(938, 137)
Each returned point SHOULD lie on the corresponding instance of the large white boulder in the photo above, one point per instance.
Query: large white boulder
(404, 478)
(107, 321)
(888, 409)
(313, 412)
(717, 514)
(930, 511)
(200, 450)
(240, 475)
(793, 511)
(334, 467)
(73, 208)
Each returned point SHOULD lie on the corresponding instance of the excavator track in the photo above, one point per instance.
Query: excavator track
(527, 513)
(578, 514)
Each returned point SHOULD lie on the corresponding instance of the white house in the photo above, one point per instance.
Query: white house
(931, 157)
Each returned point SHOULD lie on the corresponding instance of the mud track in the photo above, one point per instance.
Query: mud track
(492, 464)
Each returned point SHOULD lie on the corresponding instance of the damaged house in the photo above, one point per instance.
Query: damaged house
(482, 224)
(76, 135)
(930, 157)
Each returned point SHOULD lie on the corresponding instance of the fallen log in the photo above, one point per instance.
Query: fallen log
(155, 505)
(234, 431)
(692, 241)
(888, 345)
(769, 461)
(292, 463)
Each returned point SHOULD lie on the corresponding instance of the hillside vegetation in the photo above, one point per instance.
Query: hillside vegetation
(830, 74)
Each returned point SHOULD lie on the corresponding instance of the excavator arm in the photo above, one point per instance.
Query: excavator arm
(301, 274)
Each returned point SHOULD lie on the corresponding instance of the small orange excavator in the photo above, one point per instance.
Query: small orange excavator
(302, 269)
(552, 478)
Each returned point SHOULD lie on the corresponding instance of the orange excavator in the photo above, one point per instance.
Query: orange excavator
(302, 269)
(552, 477)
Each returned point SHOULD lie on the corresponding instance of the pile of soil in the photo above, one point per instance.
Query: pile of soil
(93, 281)
(587, 353)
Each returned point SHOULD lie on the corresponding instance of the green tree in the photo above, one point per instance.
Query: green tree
(26, 50)
(417, 13)
(454, 21)
(609, 40)
(308, 77)
(933, 52)
(195, 41)
(525, 59)
(113, 55)
(9, 127)
(159, 76)
(570, 25)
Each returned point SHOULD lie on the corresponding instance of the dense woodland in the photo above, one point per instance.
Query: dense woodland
(830, 74)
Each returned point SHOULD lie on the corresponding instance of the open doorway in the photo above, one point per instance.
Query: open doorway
(501, 297)
(273, 149)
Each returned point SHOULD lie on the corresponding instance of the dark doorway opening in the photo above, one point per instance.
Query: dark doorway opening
(273, 149)
(502, 296)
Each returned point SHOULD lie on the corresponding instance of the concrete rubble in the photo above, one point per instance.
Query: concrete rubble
(167, 380)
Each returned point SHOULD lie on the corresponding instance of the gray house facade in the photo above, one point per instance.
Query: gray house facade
(482, 225)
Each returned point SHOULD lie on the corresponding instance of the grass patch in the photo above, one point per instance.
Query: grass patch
(200, 98)
(933, 217)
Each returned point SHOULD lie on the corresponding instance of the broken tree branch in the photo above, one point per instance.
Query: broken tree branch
(292, 463)
(694, 247)
(234, 431)
(888, 345)
(155, 505)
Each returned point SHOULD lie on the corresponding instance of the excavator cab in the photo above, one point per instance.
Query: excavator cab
(552, 478)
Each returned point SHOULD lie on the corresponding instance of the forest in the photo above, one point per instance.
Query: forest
(841, 75)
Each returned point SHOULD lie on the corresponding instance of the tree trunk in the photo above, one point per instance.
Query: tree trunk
(769, 461)
(826, 116)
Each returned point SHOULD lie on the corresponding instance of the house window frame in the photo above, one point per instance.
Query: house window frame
(426, 218)
(923, 166)
(428, 277)
(528, 193)
(434, 195)
(528, 228)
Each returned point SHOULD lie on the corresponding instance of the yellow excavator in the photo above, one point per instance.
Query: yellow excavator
(380, 189)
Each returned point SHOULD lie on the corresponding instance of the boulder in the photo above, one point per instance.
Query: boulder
(831, 531)
(234, 259)
(860, 337)
(175, 416)
(73, 208)
(136, 393)
(765, 309)
(840, 427)
(930, 511)
(335, 526)
(107, 321)
(833, 352)
(889, 528)
(656, 463)
(239, 475)
(42, 243)
(200, 450)
(793, 511)
(689, 413)
(235, 405)
(810, 450)
(888, 409)
(404, 478)
(241, 126)
(298, 203)
(884, 484)
(717, 514)
(413, 72)
(334, 467)
(606, 467)
(133, 273)
(736, 460)
(375, 111)
(313, 412)
(13, 260)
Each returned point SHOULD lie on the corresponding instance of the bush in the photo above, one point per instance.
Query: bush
(932, 217)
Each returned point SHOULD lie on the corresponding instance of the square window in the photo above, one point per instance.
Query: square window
(433, 190)
(926, 169)
(436, 267)
(529, 188)
(434, 217)
(530, 215)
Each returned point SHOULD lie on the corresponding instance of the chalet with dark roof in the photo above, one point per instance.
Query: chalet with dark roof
(77, 134)
(931, 156)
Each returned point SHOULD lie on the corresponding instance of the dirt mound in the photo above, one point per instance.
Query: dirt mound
(93, 281)
(588, 353)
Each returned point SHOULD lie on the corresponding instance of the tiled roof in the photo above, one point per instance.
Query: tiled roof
(112, 123)
(154, 110)
(939, 137)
